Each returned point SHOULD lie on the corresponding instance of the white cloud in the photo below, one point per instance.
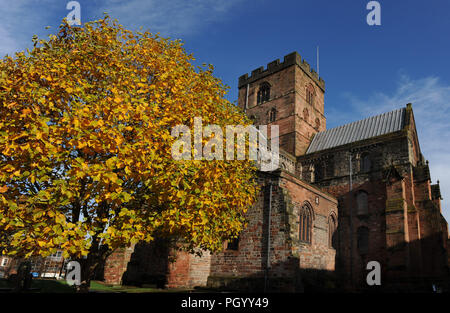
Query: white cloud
(169, 17)
(430, 99)
(21, 19)
(8, 43)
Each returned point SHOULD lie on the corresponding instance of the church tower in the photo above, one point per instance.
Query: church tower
(289, 94)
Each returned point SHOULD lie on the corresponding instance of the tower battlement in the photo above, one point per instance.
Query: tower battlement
(293, 58)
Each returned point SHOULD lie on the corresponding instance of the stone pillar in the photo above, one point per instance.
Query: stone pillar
(397, 234)
(116, 265)
(414, 242)
(178, 272)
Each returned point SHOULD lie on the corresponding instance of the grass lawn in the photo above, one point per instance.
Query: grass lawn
(44, 286)
(97, 286)
(61, 286)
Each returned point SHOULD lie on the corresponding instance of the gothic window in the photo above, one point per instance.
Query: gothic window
(365, 163)
(233, 244)
(362, 203)
(332, 234)
(311, 173)
(305, 223)
(299, 169)
(310, 94)
(272, 116)
(317, 123)
(263, 93)
(305, 114)
(363, 240)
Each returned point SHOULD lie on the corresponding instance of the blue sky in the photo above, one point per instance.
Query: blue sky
(367, 69)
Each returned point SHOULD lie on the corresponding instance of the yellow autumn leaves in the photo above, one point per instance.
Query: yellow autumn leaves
(85, 146)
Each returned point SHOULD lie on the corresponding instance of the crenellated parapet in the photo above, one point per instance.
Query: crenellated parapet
(293, 58)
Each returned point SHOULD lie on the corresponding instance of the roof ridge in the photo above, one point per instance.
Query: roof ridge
(366, 118)
(372, 126)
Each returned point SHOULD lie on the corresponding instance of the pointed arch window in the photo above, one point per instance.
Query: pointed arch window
(305, 114)
(263, 93)
(272, 115)
(332, 234)
(310, 94)
(362, 203)
(305, 223)
(365, 163)
(317, 123)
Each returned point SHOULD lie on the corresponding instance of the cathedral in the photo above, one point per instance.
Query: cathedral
(341, 198)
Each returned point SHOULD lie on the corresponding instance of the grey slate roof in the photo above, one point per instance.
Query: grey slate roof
(364, 129)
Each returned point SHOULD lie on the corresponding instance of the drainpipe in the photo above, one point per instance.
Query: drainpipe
(266, 280)
(246, 98)
(351, 222)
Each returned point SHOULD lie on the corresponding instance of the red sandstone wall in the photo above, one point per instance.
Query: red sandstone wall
(318, 254)
(287, 253)
(188, 270)
(356, 269)
(116, 265)
(144, 261)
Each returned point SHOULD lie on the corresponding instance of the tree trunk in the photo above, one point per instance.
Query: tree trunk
(87, 269)
(84, 287)
(89, 265)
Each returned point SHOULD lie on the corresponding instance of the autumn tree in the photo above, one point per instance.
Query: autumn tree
(85, 147)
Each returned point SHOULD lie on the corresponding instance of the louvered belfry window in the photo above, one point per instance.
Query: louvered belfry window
(310, 92)
(263, 93)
